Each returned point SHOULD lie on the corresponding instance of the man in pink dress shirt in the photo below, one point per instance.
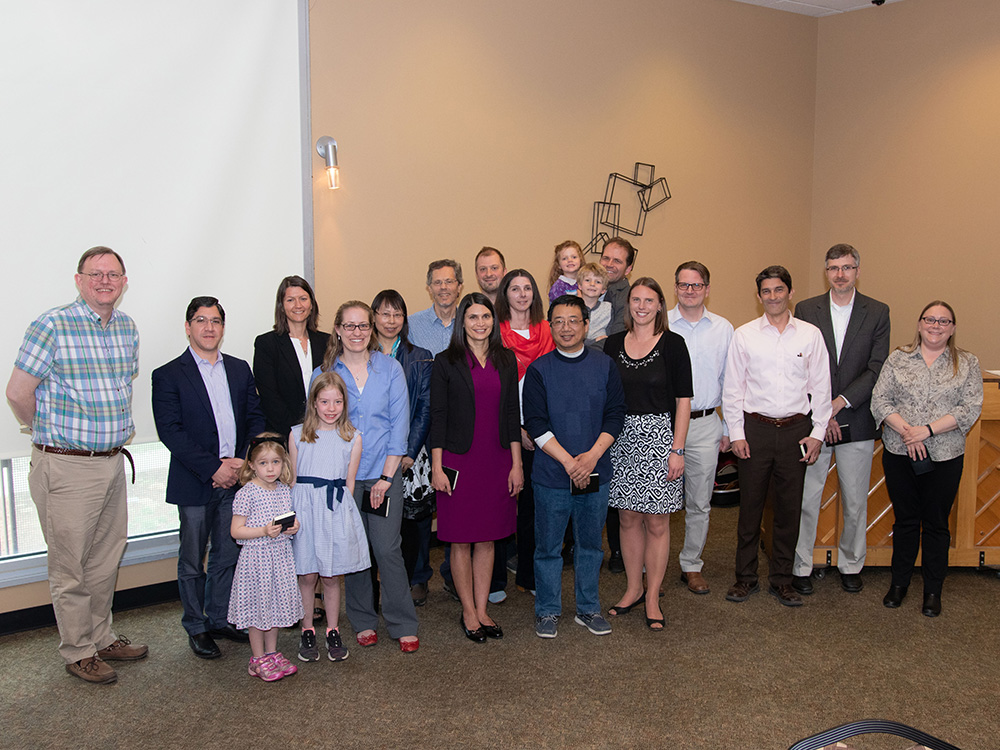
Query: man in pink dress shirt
(776, 402)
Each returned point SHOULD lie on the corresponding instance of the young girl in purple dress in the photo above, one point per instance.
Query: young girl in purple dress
(265, 593)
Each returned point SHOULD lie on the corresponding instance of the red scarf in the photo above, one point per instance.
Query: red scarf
(527, 350)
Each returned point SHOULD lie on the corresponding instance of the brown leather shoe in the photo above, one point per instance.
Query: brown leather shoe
(786, 595)
(741, 591)
(92, 669)
(124, 650)
(696, 582)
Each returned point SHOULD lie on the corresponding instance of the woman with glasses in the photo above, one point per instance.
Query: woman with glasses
(378, 406)
(475, 432)
(392, 329)
(928, 396)
(285, 357)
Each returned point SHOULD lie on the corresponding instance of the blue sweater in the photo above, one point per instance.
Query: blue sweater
(576, 399)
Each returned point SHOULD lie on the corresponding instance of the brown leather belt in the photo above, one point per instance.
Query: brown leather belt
(89, 454)
(778, 422)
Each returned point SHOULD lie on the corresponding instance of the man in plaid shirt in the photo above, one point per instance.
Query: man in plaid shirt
(72, 385)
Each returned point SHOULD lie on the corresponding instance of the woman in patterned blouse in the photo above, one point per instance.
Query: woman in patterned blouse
(928, 395)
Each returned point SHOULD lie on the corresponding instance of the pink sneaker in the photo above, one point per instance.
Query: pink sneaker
(279, 662)
(265, 668)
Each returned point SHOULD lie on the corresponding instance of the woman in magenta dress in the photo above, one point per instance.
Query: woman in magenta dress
(475, 430)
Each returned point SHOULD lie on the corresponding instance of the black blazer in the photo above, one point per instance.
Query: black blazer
(866, 346)
(453, 404)
(279, 378)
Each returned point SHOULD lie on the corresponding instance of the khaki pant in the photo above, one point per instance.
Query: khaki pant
(82, 507)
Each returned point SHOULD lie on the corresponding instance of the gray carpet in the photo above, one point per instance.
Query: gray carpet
(722, 675)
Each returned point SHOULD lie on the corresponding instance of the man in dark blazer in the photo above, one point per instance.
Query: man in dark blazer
(206, 410)
(856, 331)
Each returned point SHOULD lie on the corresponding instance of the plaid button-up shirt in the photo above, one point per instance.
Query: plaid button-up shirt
(85, 398)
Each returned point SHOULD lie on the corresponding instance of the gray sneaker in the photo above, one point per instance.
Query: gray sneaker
(335, 647)
(308, 650)
(594, 622)
(547, 626)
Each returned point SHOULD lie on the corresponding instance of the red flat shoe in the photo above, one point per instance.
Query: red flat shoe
(368, 640)
(408, 647)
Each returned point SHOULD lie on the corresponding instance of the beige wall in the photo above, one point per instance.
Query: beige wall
(907, 164)
(469, 124)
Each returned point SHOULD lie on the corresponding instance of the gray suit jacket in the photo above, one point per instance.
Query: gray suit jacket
(866, 346)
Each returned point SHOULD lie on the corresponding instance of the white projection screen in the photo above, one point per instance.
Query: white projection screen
(171, 132)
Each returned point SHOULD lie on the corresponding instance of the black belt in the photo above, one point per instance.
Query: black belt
(89, 454)
(779, 421)
(702, 413)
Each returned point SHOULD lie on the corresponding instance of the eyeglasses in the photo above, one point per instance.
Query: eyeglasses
(838, 269)
(942, 322)
(98, 275)
(352, 327)
(572, 322)
(393, 315)
(444, 282)
(693, 287)
(202, 320)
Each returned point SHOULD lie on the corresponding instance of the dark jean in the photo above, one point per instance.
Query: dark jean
(205, 593)
(553, 510)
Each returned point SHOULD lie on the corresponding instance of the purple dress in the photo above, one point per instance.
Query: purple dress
(480, 508)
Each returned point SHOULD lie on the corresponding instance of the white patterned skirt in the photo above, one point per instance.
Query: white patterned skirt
(639, 461)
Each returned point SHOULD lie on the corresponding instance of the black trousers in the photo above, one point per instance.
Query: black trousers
(922, 505)
(775, 465)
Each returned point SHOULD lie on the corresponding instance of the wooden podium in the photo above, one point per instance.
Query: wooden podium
(975, 517)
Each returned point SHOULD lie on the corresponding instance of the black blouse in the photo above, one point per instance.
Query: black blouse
(654, 383)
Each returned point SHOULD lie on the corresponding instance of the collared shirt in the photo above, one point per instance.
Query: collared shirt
(381, 413)
(217, 385)
(777, 375)
(708, 344)
(840, 316)
(922, 394)
(85, 398)
(427, 330)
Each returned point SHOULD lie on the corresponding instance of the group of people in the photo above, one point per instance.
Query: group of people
(529, 432)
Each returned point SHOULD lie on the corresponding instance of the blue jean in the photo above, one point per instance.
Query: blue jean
(553, 510)
(205, 594)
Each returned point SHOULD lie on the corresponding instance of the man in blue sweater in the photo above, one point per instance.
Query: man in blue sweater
(574, 409)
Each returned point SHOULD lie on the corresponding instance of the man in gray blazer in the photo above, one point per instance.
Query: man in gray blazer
(856, 331)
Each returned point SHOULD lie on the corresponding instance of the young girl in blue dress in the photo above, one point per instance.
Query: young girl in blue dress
(326, 452)
(265, 596)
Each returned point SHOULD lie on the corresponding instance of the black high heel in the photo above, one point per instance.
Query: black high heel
(620, 609)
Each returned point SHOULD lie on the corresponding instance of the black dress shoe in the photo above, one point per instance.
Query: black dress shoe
(894, 597)
(231, 633)
(476, 636)
(615, 563)
(932, 605)
(203, 646)
(803, 585)
(851, 582)
(491, 631)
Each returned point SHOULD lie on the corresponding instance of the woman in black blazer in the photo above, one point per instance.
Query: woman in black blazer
(476, 431)
(284, 358)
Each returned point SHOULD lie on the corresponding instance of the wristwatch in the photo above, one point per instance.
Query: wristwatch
(678, 451)
(386, 479)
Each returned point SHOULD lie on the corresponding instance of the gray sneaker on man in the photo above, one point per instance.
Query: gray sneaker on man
(594, 622)
(93, 669)
(547, 626)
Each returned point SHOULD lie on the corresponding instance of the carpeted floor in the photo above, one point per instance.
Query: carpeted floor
(722, 675)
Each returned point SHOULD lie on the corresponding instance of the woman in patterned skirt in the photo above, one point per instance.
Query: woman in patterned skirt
(648, 457)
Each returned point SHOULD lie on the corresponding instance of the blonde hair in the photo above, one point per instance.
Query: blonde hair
(336, 347)
(556, 272)
(953, 351)
(593, 269)
(343, 424)
(274, 443)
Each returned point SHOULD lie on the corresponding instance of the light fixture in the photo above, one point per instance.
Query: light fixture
(327, 148)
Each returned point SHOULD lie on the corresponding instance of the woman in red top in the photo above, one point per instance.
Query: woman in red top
(524, 331)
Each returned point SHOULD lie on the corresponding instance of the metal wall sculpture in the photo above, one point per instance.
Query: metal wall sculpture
(626, 202)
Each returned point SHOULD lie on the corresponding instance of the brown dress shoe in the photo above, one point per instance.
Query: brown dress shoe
(786, 595)
(92, 669)
(741, 591)
(695, 581)
(124, 650)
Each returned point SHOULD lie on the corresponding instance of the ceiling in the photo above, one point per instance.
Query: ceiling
(815, 8)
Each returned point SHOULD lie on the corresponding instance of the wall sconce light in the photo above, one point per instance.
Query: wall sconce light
(327, 148)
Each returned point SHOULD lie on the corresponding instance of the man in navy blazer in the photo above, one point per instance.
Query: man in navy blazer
(206, 410)
(856, 331)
